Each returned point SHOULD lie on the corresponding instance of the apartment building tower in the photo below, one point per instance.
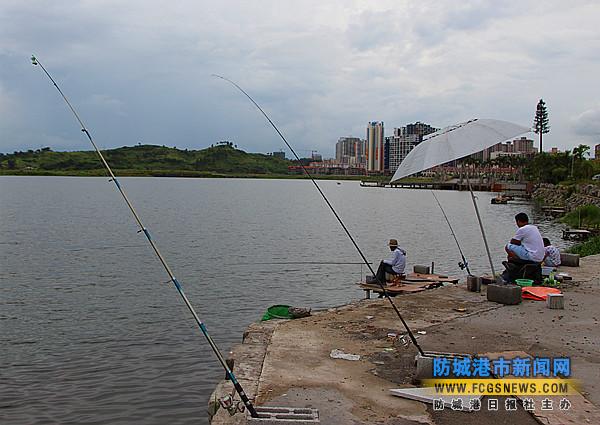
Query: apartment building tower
(404, 140)
(351, 151)
(375, 147)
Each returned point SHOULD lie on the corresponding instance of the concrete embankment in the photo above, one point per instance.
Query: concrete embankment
(567, 197)
(288, 363)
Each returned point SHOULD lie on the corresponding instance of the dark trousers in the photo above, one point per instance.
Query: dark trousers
(522, 269)
(382, 270)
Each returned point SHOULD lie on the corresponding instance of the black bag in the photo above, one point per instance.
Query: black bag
(521, 269)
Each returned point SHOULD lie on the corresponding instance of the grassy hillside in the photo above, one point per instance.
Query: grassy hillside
(145, 160)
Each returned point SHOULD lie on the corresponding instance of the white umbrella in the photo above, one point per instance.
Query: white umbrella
(456, 142)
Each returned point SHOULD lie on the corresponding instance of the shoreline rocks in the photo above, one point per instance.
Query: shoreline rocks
(568, 197)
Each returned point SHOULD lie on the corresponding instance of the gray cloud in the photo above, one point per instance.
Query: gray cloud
(588, 122)
(140, 70)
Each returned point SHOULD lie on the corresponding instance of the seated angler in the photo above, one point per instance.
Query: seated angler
(551, 254)
(527, 243)
(393, 265)
(525, 252)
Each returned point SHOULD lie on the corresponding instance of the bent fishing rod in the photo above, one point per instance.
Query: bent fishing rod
(464, 264)
(381, 284)
(146, 232)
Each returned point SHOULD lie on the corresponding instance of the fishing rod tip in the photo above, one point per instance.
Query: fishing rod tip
(34, 60)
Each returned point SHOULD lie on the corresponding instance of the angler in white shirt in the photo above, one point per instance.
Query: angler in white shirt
(527, 244)
(393, 265)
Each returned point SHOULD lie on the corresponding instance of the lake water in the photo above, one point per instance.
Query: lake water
(92, 332)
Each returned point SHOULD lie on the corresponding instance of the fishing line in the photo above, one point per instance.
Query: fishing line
(465, 263)
(381, 284)
(144, 230)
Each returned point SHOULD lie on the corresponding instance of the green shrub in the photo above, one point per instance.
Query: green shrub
(589, 247)
(589, 215)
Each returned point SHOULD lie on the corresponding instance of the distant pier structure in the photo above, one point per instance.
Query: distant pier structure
(457, 184)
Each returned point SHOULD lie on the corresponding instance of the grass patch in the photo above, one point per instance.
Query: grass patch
(589, 247)
(586, 216)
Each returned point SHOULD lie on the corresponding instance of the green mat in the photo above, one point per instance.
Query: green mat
(277, 312)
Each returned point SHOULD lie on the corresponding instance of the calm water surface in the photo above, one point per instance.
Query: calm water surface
(92, 332)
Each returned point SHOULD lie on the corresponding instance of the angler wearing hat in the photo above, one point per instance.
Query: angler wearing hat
(393, 265)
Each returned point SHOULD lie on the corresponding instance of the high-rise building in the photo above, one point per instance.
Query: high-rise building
(350, 151)
(375, 147)
(386, 154)
(404, 140)
(421, 129)
(521, 146)
(597, 151)
(360, 157)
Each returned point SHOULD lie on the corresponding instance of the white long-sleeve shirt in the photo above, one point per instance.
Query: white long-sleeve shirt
(397, 260)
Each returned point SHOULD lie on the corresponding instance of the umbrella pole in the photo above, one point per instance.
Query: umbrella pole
(487, 248)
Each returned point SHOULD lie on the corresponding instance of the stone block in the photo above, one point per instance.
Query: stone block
(284, 416)
(474, 283)
(555, 301)
(569, 260)
(422, 269)
(487, 279)
(504, 294)
(424, 367)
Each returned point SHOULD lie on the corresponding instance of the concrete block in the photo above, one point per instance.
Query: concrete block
(422, 269)
(504, 294)
(474, 283)
(555, 301)
(424, 367)
(487, 279)
(424, 364)
(284, 416)
(569, 260)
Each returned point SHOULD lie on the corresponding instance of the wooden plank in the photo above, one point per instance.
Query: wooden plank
(413, 282)
(430, 278)
(427, 276)
(408, 281)
(394, 289)
(426, 395)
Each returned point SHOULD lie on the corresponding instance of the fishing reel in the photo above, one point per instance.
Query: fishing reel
(233, 407)
(404, 341)
(463, 265)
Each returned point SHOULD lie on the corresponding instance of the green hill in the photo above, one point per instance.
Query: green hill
(222, 159)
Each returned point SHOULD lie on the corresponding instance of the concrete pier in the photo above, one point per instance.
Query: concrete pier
(288, 363)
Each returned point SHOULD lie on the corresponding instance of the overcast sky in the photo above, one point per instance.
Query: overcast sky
(140, 70)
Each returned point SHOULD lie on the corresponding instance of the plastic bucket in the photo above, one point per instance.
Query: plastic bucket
(547, 270)
(524, 282)
(277, 312)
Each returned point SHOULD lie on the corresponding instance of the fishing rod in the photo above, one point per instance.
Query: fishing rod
(146, 232)
(381, 284)
(485, 241)
(464, 264)
(298, 262)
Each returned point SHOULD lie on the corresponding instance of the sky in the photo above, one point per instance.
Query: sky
(140, 71)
